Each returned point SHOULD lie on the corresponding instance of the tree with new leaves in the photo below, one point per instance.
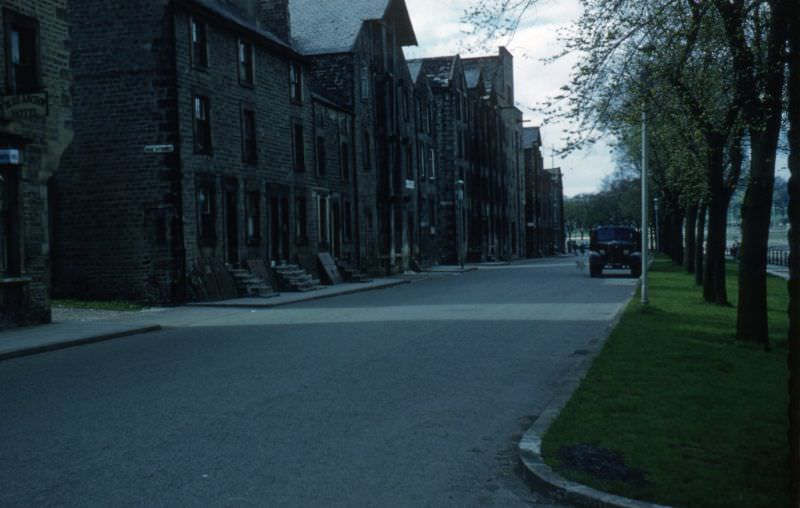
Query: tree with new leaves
(756, 32)
(794, 246)
(754, 36)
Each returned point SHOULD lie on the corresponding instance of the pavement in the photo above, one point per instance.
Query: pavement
(75, 327)
(40, 339)
(80, 327)
(287, 298)
(778, 271)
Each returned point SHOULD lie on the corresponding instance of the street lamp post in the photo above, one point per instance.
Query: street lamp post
(645, 239)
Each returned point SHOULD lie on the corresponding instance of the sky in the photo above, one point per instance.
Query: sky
(440, 32)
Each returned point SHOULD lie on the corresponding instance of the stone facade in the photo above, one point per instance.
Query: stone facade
(506, 179)
(35, 129)
(359, 63)
(212, 156)
(446, 77)
(217, 132)
(428, 250)
(534, 166)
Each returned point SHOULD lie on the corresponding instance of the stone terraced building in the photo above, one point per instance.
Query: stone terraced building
(221, 141)
(35, 129)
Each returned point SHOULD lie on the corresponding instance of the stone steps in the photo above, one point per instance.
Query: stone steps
(294, 278)
(350, 273)
(250, 284)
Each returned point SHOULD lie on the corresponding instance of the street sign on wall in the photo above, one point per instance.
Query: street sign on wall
(159, 148)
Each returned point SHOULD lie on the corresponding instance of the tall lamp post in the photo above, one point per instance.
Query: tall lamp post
(645, 239)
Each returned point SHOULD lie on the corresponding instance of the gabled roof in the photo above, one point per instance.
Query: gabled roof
(439, 70)
(531, 136)
(231, 14)
(332, 26)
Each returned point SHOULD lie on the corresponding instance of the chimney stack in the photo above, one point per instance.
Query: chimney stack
(275, 18)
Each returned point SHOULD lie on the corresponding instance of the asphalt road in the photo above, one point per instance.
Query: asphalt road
(410, 396)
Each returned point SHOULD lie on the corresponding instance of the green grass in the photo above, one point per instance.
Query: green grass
(702, 415)
(98, 305)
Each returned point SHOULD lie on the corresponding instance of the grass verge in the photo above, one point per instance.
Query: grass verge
(98, 305)
(698, 419)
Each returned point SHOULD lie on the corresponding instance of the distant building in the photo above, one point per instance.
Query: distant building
(35, 128)
(552, 211)
(506, 179)
(446, 77)
(534, 166)
(429, 250)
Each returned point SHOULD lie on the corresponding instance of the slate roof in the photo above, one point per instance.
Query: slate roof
(232, 14)
(439, 70)
(531, 136)
(331, 26)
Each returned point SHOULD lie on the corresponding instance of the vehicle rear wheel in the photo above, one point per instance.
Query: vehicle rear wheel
(636, 271)
(595, 270)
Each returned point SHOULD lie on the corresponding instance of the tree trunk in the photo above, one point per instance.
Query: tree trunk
(699, 270)
(689, 235)
(794, 258)
(759, 78)
(676, 236)
(751, 320)
(714, 286)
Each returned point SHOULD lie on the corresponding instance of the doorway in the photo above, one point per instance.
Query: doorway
(231, 221)
(279, 224)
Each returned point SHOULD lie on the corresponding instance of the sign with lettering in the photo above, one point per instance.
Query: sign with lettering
(25, 106)
(159, 148)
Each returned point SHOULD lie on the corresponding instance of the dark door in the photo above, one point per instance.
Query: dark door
(274, 229)
(336, 222)
(231, 227)
(284, 221)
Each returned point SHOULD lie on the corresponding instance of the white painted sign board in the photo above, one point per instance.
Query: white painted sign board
(159, 148)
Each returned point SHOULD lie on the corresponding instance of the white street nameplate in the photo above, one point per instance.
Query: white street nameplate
(159, 148)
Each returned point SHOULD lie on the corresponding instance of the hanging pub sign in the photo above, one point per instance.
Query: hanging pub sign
(25, 106)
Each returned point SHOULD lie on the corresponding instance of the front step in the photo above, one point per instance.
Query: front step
(293, 277)
(251, 284)
(351, 273)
